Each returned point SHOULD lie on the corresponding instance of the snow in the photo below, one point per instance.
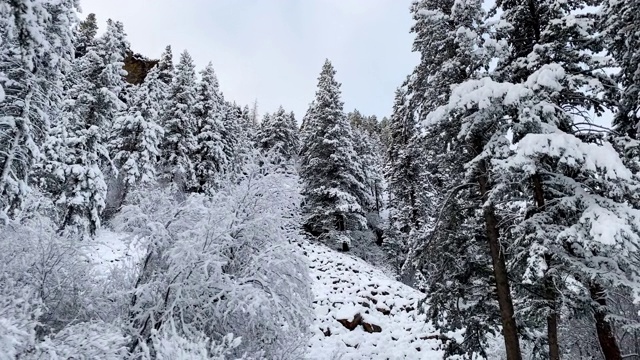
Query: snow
(109, 248)
(345, 286)
(571, 151)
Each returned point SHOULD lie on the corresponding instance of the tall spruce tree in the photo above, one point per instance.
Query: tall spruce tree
(165, 66)
(458, 226)
(402, 167)
(209, 110)
(369, 149)
(278, 135)
(293, 125)
(136, 134)
(95, 82)
(552, 49)
(333, 182)
(237, 144)
(85, 33)
(34, 56)
(620, 22)
(180, 128)
(537, 204)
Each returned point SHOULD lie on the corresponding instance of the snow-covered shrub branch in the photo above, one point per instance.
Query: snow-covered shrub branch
(50, 302)
(222, 264)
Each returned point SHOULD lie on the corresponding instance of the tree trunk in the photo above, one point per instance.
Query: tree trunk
(550, 293)
(552, 326)
(8, 162)
(607, 339)
(503, 289)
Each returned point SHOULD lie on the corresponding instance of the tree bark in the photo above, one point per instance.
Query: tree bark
(503, 289)
(552, 326)
(607, 339)
(550, 293)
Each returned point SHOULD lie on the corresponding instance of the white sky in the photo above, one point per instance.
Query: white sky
(273, 50)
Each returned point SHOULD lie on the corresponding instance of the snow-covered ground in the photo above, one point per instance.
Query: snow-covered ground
(363, 314)
(109, 249)
(360, 313)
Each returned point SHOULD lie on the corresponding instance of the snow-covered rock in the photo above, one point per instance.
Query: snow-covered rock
(363, 314)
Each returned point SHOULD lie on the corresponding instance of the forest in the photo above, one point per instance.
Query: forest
(494, 214)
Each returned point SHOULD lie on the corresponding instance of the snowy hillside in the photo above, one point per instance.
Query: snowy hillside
(360, 313)
(363, 314)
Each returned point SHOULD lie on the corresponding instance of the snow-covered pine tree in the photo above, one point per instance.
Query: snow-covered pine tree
(277, 135)
(180, 126)
(253, 114)
(552, 47)
(458, 231)
(84, 35)
(136, 134)
(165, 66)
(236, 139)
(402, 168)
(95, 81)
(385, 135)
(621, 24)
(293, 125)
(46, 175)
(333, 182)
(307, 128)
(369, 149)
(210, 158)
(33, 56)
(261, 132)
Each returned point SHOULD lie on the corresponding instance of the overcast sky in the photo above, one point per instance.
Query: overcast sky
(273, 50)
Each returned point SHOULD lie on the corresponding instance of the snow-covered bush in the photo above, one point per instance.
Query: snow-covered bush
(221, 264)
(89, 340)
(19, 310)
(53, 267)
(51, 304)
(168, 344)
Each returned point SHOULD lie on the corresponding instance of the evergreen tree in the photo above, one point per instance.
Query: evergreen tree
(547, 75)
(209, 110)
(444, 207)
(369, 150)
(402, 168)
(179, 128)
(307, 128)
(165, 66)
(35, 51)
(333, 183)
(85, 34)
(551, 54)
(293, 125)
(92, 105)
(385, 133)
(620, 23)
(277, 134)
(236, 145)
(136, 134)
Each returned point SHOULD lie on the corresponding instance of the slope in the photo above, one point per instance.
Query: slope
(360, 313)
(363, 314)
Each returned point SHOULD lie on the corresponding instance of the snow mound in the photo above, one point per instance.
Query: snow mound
(363, 314)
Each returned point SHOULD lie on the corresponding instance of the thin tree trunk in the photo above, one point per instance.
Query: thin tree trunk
(607, 339)
(11, 155)
(550, 293)
(503, 289)
(552, 325)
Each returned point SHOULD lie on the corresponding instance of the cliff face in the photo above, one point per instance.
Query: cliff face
(137, 67)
